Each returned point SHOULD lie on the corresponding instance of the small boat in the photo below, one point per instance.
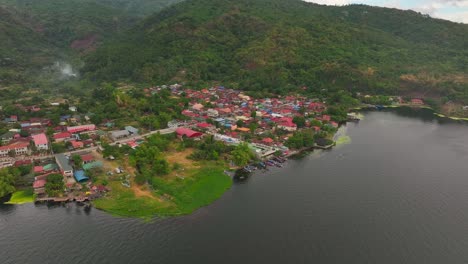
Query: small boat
(278, 159)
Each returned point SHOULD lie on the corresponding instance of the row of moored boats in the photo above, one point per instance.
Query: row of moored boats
(273, 162)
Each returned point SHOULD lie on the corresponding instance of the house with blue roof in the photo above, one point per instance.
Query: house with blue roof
(80, 176)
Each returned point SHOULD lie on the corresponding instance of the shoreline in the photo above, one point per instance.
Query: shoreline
(455, 118)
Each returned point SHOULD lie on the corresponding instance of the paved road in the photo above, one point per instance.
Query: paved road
(161, 131)
(123, 141)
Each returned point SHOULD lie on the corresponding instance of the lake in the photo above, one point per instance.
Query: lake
(397, 193)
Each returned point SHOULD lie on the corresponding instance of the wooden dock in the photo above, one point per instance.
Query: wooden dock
(53, 199)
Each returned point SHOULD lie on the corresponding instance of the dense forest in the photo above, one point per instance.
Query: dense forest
(258, 45)
(277, 45)
(36, 34)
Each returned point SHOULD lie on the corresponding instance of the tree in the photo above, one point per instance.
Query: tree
(58, 148)
(7, 180)
(24, 133)
(240, 123)
(55, 185)
(253, 114)
(242, 154)
(299, 121)
(77, 160)
(253, 127)
(84, 136)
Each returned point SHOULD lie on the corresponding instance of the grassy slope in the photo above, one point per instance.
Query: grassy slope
(22, 197)
(204, 186)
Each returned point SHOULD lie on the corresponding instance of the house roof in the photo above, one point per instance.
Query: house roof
(203, 125)
(182, 131)
(76, 144)
(22, 163)
(38, 169)
(62, 135)
(131, 129)
(39, 184)
(267, 140)
(285, 121)
(63, 162)
(120, 133)
(40, 139)
(95, 164)
(87, 157)
(80, 176)
(16, 145)
(81, 128)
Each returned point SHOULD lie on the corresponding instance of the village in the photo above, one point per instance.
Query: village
(73, 147)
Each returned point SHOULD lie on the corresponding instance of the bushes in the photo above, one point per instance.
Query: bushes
(301, 139)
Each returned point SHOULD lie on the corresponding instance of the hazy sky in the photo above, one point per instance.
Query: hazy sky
(455, 10)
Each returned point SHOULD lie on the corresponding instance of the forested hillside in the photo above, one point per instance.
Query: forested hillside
(35, 33)
(22, 49)
(279, 45)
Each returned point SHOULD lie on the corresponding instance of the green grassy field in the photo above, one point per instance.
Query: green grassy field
(171, 196)
(22, 197)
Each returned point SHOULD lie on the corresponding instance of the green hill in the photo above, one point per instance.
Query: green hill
(34, 34)
(278, 45)
(22, 49)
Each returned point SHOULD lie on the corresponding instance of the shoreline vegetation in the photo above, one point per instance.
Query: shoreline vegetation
(175, 195)
(22, 197)
(455, 118)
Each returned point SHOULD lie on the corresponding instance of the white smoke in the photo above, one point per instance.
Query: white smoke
(65, 69)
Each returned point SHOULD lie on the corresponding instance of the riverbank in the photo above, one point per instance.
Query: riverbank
(364, 107)
(167, 196)
(22, 197)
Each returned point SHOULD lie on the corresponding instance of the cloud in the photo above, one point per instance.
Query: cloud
(331, 2)
(454, 10)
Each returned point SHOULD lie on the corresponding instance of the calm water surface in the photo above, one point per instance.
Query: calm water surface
(398, 193)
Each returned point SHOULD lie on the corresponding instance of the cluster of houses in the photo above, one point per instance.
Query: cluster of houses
(73, 174)
(230, 114)
(13, 144)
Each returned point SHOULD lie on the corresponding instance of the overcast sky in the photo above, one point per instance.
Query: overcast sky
(455, 10)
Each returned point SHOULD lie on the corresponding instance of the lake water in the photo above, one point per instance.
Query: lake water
(398, 193)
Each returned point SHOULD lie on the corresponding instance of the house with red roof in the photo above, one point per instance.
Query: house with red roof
(132, 144)
(38, 169)
(324, 118)
(267, 141)
(316, 106)
(20, 163)
(39, 186)
(18, 148)
(83, 128)
(204, 125)
(190, 113)
(77, 144)
(182, 131)
(87, 158)
(62, 136)
(417, 101)
(41, 142)
(285, 123)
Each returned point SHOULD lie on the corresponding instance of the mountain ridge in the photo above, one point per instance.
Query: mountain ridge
(281, 45)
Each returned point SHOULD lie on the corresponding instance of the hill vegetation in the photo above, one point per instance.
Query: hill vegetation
(35, 34)
(278, 46)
